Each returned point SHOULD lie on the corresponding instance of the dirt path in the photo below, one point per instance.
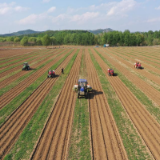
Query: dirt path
(53, 143)
(11, 129)
(150, 92)
(106, 141)
(11, 94)
(40, 60)
(147, 126)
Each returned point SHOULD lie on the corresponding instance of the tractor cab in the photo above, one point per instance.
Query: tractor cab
(82, 88)
(138, 65)
(110, 72)
(26, 66)
(51, 73)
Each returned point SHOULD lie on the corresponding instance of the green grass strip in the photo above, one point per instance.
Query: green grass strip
(27, 140)
(80, 141)
(131, 140)
(13, 84)
(19, 70)
(32, 55)
(15, 65)
(150, 82)
(149, 104)
(17, 101)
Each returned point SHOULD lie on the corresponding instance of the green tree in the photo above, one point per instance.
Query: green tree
(16, 39)
(24, 41)
(46, 40)
(38, 41)
(10, 39)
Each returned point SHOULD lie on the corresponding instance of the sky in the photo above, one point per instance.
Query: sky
(42, 15)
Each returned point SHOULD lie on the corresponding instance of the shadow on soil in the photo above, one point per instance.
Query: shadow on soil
(94, 93)
(115, 74)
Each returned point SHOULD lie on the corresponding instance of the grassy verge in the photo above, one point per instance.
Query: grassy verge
(25, 144)
(13, 84)
(131, 140)
(17, 101)
(80, 141)
(150, 106)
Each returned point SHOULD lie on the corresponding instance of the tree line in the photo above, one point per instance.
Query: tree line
(114, 38)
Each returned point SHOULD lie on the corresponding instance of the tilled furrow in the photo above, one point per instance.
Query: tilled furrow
(7, 81)
(53, 143)
(141, 72)
(21, 60)
(110, 138)
(5, 73)
(147, 126)
(19, 119)
(7, 54)
(151, 92)
(8, 96)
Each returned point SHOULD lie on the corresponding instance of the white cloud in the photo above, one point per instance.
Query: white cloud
(153, 20)
(158, 8)
(52, 9)
(59, 18)
(46, 1)
(34, 18)
(6, 8)
(121, 8)
(84, 17)
(20, 9)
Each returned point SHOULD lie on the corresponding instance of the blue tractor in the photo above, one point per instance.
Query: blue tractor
(82, 88)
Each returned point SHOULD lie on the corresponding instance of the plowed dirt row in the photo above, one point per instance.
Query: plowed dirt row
(8, 96)
(20, 60)
(144, 59)
(147, 66)
(53, 143)
(106, 141)
(143, 72)
(19, 66)
(147, 126)
(11, 129)
(7, 54)
(150, 92)
(12, 78)
(145, 63)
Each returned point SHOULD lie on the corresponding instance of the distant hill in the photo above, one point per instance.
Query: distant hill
(20, 33)
(98, 31)
(33, 33)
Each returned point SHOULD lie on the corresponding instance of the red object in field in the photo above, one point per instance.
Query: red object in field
(139, 65)
(51, 72)
(110, 72)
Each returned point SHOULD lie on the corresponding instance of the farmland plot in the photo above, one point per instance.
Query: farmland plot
(36, 113)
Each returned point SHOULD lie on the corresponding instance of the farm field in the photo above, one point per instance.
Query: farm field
(42, 118)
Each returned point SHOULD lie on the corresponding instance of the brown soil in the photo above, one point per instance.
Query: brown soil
(11, 94)
(147, 126)
(14, 125)
(106, 141)
(40, 59)
(53, 143)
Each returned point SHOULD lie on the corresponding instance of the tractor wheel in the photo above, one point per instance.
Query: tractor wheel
(86, 95)
(78, 94)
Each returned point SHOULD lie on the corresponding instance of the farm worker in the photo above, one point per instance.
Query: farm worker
(62, 70)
